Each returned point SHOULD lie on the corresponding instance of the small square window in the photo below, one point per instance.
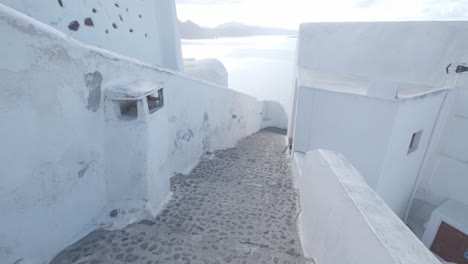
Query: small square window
(128, 109)
(414, 143)
(155, 102)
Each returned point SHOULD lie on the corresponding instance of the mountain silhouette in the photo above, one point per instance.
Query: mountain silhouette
(191, 30)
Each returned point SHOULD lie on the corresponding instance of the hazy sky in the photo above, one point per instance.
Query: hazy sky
(289, 13)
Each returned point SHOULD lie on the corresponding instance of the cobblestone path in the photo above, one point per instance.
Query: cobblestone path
(237, 207)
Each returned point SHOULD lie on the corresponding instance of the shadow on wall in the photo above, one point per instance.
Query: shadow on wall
(273, 115)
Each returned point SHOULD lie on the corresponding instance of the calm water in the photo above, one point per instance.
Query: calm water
(258, 66)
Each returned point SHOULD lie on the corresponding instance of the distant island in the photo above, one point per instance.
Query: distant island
(191, 30)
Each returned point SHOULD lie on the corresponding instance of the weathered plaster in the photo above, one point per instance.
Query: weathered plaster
(93, 82)
(76, 164)
(110, 28)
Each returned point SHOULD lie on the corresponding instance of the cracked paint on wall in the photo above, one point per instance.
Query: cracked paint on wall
(183, 136)
(93, 82)
(206, 131)
(84, 168)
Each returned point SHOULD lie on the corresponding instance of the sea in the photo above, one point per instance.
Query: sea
(260, 66)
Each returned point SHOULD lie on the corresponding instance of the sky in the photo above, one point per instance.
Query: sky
(290, 13)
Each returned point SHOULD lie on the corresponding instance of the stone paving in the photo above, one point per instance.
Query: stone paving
(237, 207)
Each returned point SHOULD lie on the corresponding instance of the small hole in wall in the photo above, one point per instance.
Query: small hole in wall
(131, 30)
(60, 3)
(414, 142)
(126, 9)
(121, 18)
(128, 109)
(116, 5)
(107, 31)
(94, 10)
(89, 22)
(155, 101)
(114, 25)
(139, 16)
(74, 25)
(146, 35)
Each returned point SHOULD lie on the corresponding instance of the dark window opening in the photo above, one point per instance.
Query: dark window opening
(414, 143)
(155, 102)
(128, 109)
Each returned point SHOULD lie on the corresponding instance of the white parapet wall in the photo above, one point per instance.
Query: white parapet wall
(375, 134)
(273, 115)
(68, 157)
(414, 52)
(343, 220)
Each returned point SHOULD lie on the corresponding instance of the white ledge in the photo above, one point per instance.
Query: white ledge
(133, 91)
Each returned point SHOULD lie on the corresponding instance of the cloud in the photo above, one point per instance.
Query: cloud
(366, 3)
(288, 14)
(207, 2)
(446, 9)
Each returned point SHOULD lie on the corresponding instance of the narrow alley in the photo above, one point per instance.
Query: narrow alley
(237, 206)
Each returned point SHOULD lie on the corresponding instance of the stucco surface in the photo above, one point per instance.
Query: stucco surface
(237, 206)
(145, 30)
(343, 220)
(363, 103)
(445, 170)
(210, 70)
(406, 52)
(67, 160)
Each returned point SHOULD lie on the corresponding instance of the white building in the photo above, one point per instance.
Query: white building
(379, 94)
(97, 116)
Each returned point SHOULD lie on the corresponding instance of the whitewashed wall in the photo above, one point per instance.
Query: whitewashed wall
(444, 175)
(142, 29)
(64, 165)
(357, 126)
(405, 52)
(400, 171)
(343, 220)
(408, 52)
(398, 52)
(273, 115)
(373, 133)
